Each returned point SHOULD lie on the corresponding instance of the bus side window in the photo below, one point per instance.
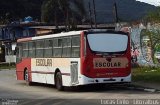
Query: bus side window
(39, 48)
(66, 47)
(32, 51)
(75, 46)
(25, 49)
(57, 47)
(48, 48)
(19, 51)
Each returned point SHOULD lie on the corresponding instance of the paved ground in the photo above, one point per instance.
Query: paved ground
(149, 85)
(13, 91)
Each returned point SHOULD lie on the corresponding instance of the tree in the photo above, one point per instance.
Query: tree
(150, 39)
(152, 33)
(31, 8)
(14, 10)
(153, 16)
(66, 12)
(8, 12)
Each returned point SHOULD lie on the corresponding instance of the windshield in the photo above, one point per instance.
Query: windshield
(107, 42)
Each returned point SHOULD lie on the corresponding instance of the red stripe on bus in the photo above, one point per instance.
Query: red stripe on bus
(67, 74)
(42, 72)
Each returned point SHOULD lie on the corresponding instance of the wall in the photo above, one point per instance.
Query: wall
(141, 54)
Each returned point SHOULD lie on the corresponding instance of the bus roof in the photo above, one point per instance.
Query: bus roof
(71, 33)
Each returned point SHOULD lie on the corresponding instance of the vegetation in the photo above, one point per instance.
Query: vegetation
(150, 37)
(15, 10)
(153, 16)
(153, 36)
(68, 12)
(53, 11)
(7, 66)
(150, 74)
(146, 74)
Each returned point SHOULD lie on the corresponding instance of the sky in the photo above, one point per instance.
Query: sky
(153, 2)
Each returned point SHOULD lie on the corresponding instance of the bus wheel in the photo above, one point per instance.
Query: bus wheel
(58, 81)
(26, 77)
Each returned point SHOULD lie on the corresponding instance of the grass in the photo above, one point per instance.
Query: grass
(146, 74)
(7, 66)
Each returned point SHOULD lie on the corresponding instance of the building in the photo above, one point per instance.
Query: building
(16, 30)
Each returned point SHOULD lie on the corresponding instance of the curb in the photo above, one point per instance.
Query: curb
(145, 88)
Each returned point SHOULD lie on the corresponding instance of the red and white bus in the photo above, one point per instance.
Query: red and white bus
(75, 58)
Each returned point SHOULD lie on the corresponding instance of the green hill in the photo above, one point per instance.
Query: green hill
(13, 10)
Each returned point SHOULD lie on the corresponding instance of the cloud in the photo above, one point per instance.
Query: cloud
(153, 2)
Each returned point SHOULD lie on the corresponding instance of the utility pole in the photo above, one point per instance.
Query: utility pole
(90, 14)
(94, 11)
(115, 12)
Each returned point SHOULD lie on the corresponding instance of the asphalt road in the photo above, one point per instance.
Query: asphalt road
(18, 93)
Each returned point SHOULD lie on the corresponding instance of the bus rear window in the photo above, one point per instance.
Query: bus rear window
(107, 42)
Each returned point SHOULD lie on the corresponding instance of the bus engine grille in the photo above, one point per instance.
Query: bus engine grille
(74, 73)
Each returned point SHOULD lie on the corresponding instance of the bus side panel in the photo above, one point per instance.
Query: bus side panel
(42, 70)
(82, 53)
(23, 65)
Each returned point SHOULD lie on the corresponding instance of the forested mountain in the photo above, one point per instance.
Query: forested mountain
(11, 10)
(127, 10)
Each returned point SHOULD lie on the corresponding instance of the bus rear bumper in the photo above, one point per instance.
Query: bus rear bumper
(85, 80)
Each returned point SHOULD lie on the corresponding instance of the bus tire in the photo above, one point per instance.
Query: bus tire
(26, 78)
(58, 81)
